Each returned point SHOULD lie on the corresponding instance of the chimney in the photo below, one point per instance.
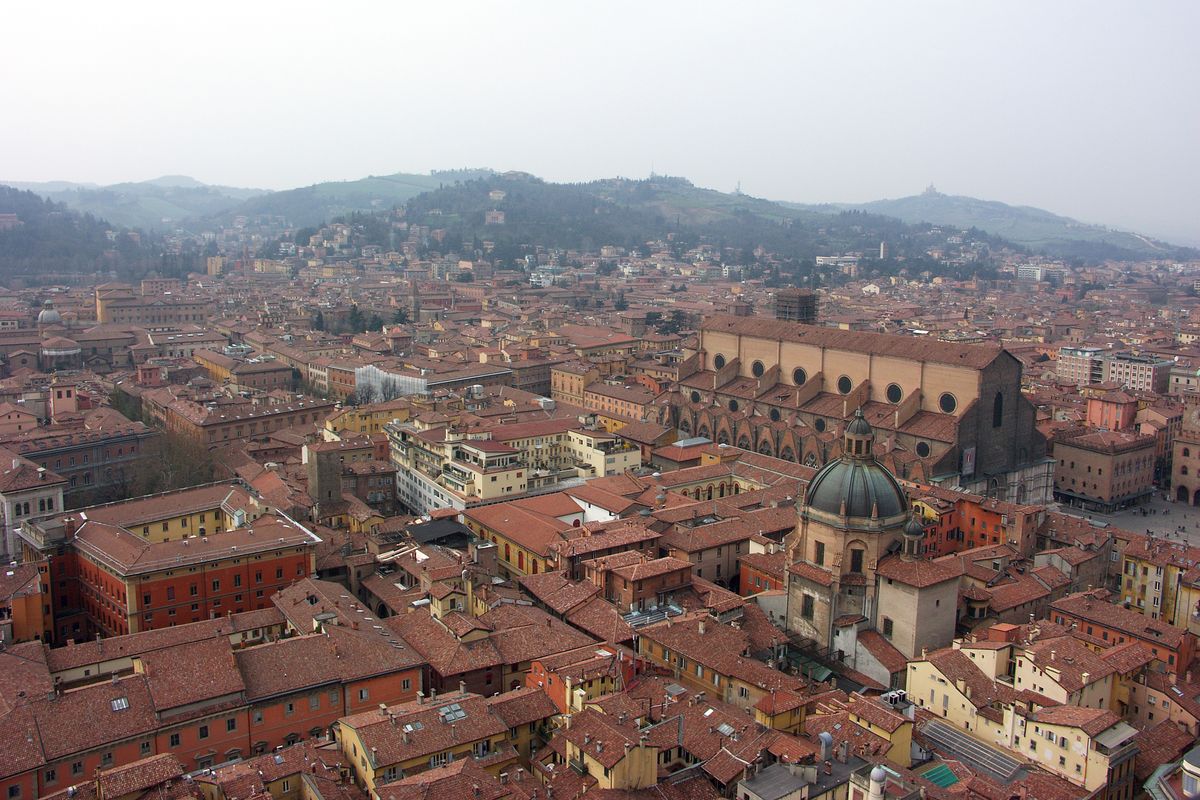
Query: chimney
(462, 687)
(701, 627)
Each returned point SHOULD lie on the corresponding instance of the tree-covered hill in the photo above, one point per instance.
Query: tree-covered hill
(51, 239)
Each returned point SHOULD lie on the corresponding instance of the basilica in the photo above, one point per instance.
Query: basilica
(859, 585)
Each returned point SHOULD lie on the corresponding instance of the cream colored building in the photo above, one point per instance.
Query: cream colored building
(958, 408)
(444, 467)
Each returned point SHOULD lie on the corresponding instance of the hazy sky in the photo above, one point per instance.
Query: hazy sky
(1090, 109)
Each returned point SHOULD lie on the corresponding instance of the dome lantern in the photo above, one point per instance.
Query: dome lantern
(856, 485)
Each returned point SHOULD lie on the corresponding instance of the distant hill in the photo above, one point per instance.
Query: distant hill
(630, 213)
(322, 202)
(160, 204)
(1038, 230)
(51, 240)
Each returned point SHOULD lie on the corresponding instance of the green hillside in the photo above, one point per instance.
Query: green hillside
(632, 213)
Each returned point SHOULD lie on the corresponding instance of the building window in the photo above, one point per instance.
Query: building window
(174, 741)
(364, 694)
(844, 384)
(947, 403)
(203, 731)
(807, 607)
(856, 560)
(757, 369)
(887, 627)
(231, 724)
(819, 555)
(894, 393)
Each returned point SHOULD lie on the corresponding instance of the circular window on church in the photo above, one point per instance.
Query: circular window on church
(819, 424)
(894, 393)
(799, 376)
(923, 449)
(757, 369)
(947, 403)
(695, 397)
(844, 384)
(718, 361)
(774, 415)
(733, 405)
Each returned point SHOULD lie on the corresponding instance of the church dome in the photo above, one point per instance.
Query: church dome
(856, 485)
(49, 314)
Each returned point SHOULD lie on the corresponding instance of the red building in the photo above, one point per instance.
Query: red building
(762, 572)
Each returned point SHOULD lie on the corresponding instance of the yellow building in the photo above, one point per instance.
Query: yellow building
(611, 751)
(391, 743)
(706, 656)
(359, 420)
(967, 687)
(1159, 579)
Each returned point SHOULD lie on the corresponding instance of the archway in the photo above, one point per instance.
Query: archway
(1196, 498)
(722, 438)
(744, 443)
(787, 455)
(1181, 494)
(702, 431)
(765, 448)
(685, 426)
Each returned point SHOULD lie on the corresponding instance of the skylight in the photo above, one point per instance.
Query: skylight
(120, 703)
(452, 713)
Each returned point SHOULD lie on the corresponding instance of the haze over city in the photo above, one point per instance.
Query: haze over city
(1086, 109)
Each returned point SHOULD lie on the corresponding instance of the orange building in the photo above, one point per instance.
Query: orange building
(168, 559)
(24, 604)
(189, 693)
(574, 677)
(1092, 613)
